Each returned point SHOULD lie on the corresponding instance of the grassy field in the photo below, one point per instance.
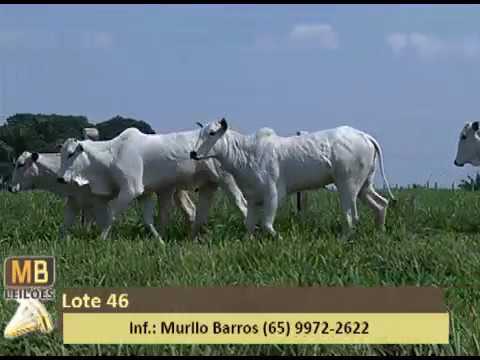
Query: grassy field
(432, 239)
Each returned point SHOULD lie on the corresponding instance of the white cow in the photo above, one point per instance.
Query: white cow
(134, 163)
(268, 167)
(468, 149)
(39, 171)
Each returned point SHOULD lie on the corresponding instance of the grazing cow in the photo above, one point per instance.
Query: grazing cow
(268, 167)
(135, 163)
(39, 171)
(468, 149)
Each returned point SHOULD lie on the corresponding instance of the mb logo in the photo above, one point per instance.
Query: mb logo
(29, 277)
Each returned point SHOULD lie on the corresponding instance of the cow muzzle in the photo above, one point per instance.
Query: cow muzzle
(61, 180)
(458, 164)
(194, 156)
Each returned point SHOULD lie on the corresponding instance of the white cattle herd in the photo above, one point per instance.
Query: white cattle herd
(257, 172)
(40, 171)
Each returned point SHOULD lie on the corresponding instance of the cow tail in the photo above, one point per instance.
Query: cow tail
(380, 159)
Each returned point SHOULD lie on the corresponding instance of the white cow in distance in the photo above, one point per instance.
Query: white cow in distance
(90, 134)
(268, 167)
(468, 148)
(134, 164)
(38, 171)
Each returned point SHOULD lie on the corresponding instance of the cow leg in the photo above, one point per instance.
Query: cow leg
(130, 177)
(183, 201)
(205, 198)
(104, 219)
(120, 203)
(69, 215)
(378, 198)
(123, 200)
(348, 200)
(270, 206)
(227, 183)
(164, 206)
(377, 203)
(148, 202)
(253, 217)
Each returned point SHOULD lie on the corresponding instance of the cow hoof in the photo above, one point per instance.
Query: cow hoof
(273, 233)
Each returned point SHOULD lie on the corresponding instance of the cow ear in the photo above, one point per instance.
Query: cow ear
(475, 126)
(224, 124)
(35, 156)
(199, 124)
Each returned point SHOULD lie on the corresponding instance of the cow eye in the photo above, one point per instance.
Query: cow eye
(20, 165)
(463, 137)
(212, 133)
(70, 155)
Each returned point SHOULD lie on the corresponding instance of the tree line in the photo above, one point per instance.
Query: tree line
(44, 132)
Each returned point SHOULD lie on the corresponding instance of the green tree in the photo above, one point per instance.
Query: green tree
(113, 127)
(43, 132)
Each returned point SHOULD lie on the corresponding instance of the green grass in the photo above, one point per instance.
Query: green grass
(432, 239)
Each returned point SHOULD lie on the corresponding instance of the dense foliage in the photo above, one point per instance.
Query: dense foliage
(113, 127)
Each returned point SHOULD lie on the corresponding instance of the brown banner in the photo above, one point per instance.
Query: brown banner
(254, 300)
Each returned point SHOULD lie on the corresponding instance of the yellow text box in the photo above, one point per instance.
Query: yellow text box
(251, 328)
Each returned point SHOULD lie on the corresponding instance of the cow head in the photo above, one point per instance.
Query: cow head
(74, 163)
(208, 138)
(24, 172)
(468, 151)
